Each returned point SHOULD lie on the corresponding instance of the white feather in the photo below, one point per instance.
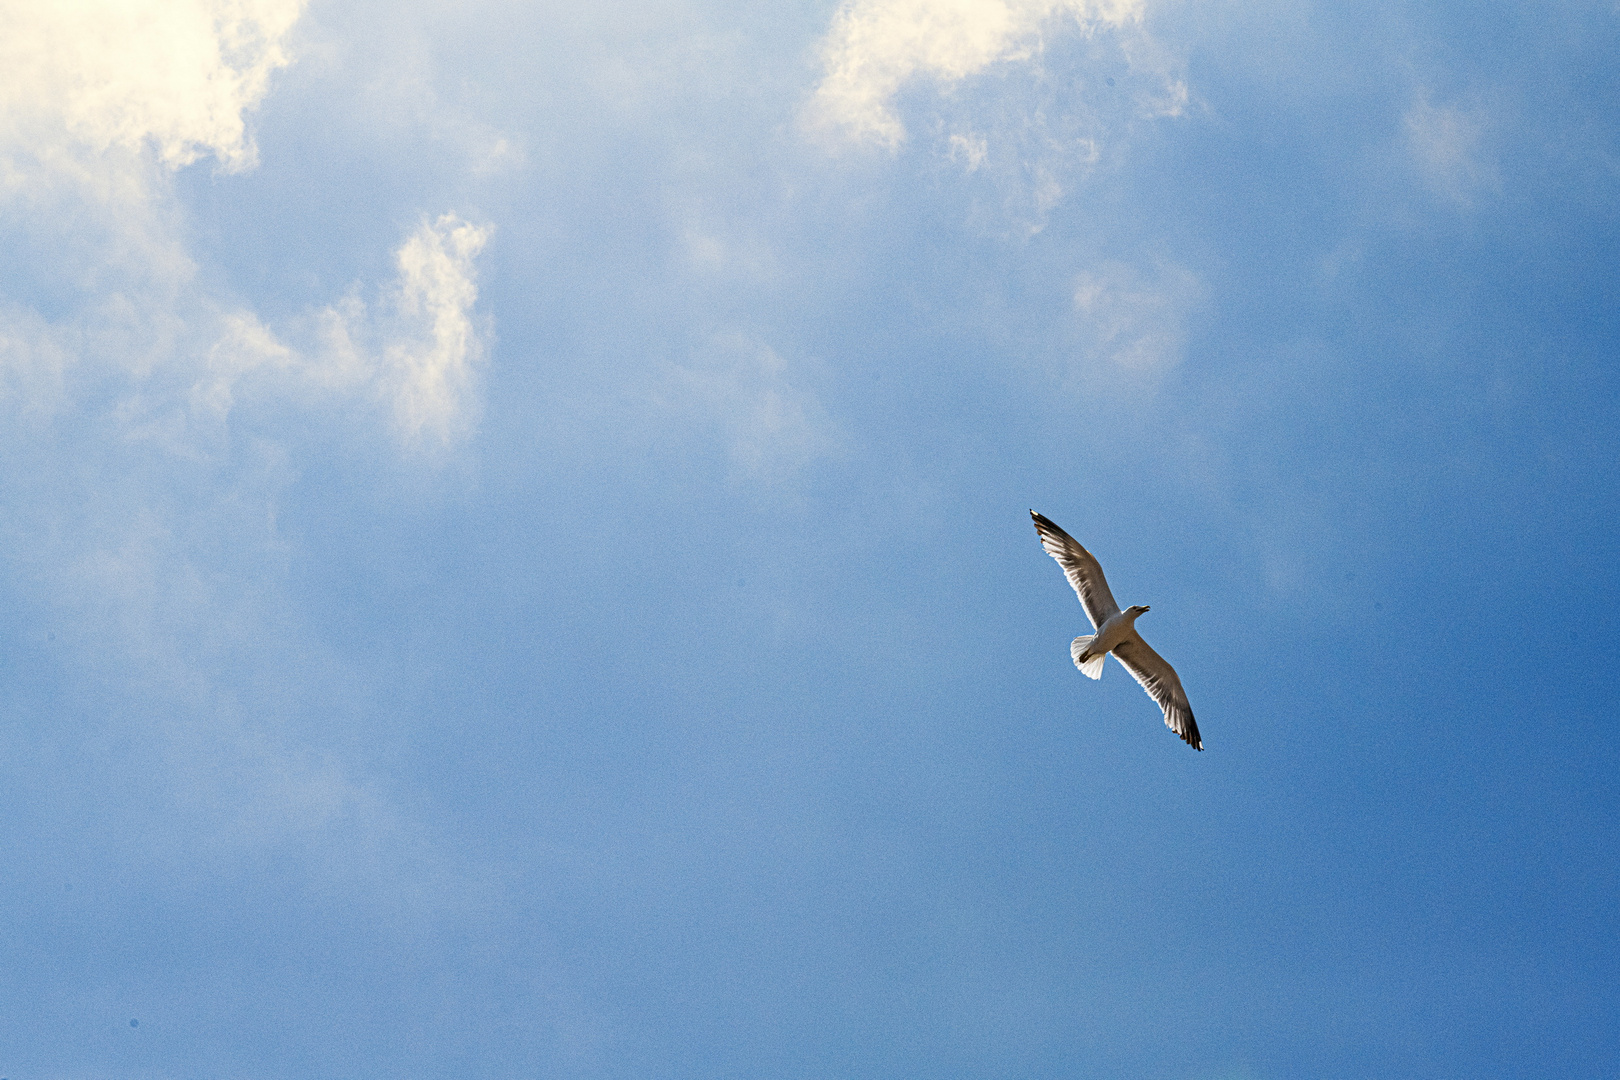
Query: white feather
(1093, 665)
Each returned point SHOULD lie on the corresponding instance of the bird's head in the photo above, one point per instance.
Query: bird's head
(1137, 609)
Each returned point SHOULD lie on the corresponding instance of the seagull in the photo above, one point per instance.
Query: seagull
(1116, 632)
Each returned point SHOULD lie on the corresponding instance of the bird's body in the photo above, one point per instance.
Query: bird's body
(1116, 632)
(1119, 627)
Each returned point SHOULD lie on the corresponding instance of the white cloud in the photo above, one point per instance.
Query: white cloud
(416, 350)
(179, 371)
(173, 74)
(100, 100)
(143, 442)
(430, 373)
(875, 47)
(1027, 98)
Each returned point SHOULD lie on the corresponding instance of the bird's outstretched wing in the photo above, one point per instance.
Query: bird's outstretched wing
(1159, 679)
(1081, 568)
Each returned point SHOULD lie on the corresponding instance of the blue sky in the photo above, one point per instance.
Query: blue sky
(514, 553)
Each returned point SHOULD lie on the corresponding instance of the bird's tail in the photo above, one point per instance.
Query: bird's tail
(1092, 666)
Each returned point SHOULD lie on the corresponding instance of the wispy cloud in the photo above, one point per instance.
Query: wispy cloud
(876, 47)
(769, 423)
(1028, 97)
(416, 348)
(1133, 319)
(140, 447)
(1446, 143)
(99, 104)
(430, 372)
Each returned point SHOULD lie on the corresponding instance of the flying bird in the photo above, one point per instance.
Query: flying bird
(1116, 632)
